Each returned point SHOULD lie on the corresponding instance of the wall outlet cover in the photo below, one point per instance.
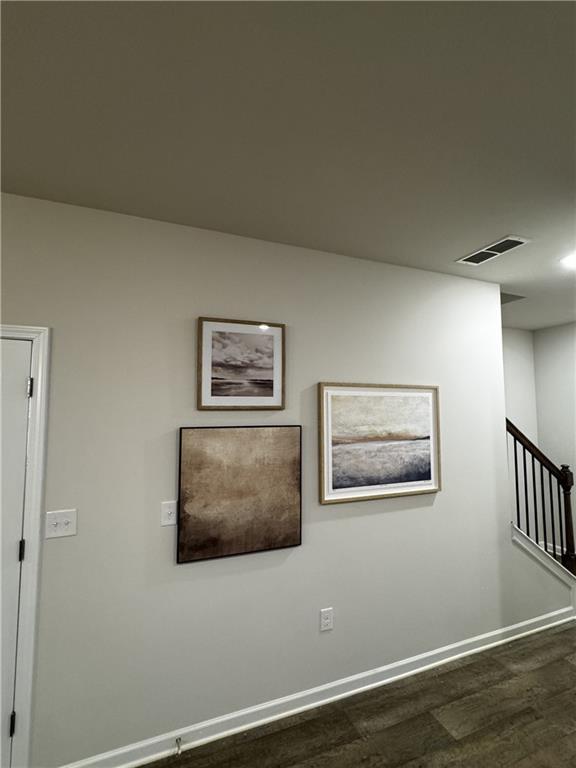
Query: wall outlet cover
(326, 619)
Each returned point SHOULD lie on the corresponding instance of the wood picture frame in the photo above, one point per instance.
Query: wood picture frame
(377, 441)
(240, 365)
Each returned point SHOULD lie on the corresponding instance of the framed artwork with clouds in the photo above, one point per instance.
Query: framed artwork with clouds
(240, 365)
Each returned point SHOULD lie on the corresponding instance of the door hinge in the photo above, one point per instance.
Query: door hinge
(12, 724)
(21, 549)
(30, 387)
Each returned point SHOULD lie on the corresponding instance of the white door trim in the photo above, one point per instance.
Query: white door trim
(33, 514)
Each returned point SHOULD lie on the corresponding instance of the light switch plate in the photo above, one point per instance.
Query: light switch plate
(326, 619)
(168, 513)
(61, 522)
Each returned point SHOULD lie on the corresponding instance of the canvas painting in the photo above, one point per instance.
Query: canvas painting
(240, 365)
(377, 441)
(240, 491)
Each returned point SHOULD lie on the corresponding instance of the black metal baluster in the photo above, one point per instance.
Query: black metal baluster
(535, 501)
(543, 507)
(526, 495)
(516, 483)
(560, 517)
(552, 516)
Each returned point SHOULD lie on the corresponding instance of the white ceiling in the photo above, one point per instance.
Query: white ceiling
(410, 133)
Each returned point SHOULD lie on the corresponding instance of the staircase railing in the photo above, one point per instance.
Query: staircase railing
(543, 498)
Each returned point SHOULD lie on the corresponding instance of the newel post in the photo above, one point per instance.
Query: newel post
(567, 481)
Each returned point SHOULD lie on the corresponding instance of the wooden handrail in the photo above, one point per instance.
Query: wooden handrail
(565, 481)
(535, 451)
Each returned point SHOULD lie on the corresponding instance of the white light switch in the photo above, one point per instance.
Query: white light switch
(168, 513)
(61, 522)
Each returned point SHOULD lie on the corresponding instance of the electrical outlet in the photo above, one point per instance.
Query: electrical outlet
(168, 513)
(61, 522)
(326, 619)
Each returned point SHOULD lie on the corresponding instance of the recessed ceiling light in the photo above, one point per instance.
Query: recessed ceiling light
(569, 261)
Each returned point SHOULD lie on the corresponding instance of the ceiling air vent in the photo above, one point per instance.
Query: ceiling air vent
(506, 298)
(492, 251)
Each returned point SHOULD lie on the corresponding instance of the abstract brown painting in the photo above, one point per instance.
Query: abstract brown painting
(240, 491)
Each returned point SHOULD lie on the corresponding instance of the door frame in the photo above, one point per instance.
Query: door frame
(32, 532)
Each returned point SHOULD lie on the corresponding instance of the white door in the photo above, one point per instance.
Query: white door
(16, 367)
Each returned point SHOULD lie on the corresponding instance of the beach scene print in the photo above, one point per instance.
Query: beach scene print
(242, 364)
(380, 439)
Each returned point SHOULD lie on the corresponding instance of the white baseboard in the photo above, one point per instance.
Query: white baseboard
(164, 745)
(545, 558)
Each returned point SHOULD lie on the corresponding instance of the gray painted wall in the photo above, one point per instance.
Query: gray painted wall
(520, 380)
(555, 358)
(540, 387)
(131, 645)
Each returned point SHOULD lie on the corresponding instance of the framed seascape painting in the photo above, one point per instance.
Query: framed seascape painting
(239, 491)
(240, 365)
(377, 441)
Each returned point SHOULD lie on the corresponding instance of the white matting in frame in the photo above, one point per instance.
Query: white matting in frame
(241, 365)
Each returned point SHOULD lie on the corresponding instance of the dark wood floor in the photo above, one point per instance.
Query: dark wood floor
(512, 705)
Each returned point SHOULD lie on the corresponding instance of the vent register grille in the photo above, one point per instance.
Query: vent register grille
(492, 251)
